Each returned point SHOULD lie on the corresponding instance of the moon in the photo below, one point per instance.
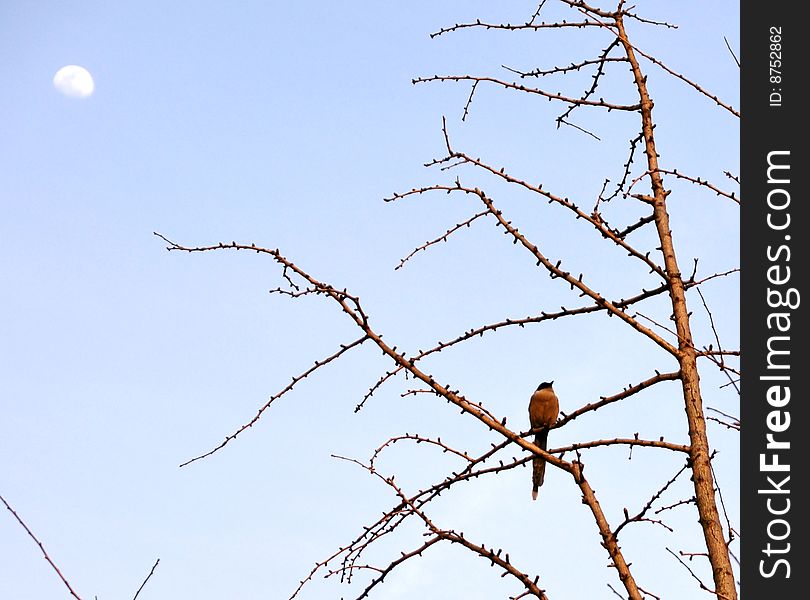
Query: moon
(74, 81)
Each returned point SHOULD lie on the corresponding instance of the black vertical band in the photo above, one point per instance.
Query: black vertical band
(774, 253)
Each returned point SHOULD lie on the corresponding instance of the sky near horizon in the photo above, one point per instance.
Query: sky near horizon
(285, 125)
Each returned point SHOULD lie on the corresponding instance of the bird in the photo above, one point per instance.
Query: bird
(544, 408)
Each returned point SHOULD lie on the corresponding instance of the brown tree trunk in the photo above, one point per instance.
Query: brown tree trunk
(687, 355)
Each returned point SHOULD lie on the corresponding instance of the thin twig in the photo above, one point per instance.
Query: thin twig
(469, 101)
(229, 438)
(702, 585)
(733, 55)
(152, 572)
(41, 547)
(441, 238)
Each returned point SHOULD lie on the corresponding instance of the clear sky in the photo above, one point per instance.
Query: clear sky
(286, 124)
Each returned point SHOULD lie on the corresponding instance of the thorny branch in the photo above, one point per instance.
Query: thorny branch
(403, 509)
(419, 440)
(626, 393)
(511, 322)
(318, 364)
(566, 69)
(696, 180)
(522, 322)
(597, 223)
(441, 238)
(530, 25)
(600, 71)
(641, 515)
(490, 554)
(597, 17)
(522, 88)
(553, 269)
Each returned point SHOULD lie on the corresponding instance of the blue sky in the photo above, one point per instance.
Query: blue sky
(286, 124)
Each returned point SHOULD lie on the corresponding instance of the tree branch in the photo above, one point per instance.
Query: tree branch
(41, 547)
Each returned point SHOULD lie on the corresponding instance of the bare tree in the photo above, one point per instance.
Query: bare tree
(640, 188)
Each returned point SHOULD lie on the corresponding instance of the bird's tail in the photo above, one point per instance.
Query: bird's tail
(539, 464)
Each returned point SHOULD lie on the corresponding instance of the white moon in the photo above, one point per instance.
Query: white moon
(74, 81)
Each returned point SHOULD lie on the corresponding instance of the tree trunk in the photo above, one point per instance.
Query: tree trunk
(722, 572)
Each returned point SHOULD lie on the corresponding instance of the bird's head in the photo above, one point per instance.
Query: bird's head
(545, 385)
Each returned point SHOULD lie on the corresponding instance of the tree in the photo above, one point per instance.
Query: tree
(632, 215)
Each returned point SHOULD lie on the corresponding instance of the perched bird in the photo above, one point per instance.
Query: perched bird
(544, 407)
